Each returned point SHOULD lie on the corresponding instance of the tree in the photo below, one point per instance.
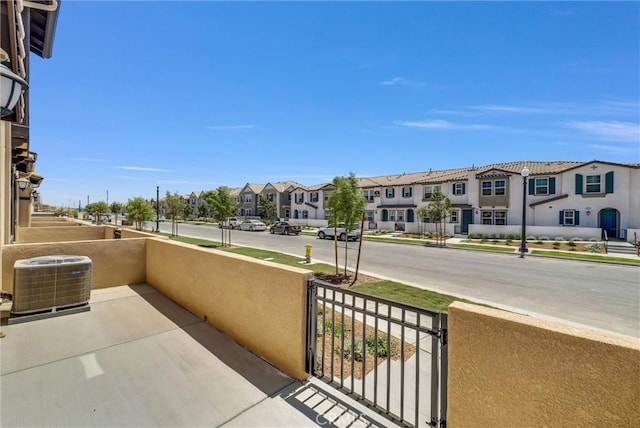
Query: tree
(438, 211)
(346, 205)
(222, 207)
(116, 208)
(202, 211)
(175, 209)
(423, 215)
(97, 209)
(139, 211)
(267, 209)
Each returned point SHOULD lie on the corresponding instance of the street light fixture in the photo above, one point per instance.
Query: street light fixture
(158, 208)
(11, 86)
(523, 242)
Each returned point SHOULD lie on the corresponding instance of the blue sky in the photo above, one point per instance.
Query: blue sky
(194, 95)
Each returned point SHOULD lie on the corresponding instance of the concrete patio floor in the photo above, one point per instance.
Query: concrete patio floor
(138, 359)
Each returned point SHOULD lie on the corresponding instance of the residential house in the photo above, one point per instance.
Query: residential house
(309, 204)
(280, 194)
(249, 198)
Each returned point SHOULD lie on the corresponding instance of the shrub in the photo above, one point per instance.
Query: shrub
(346, 352)
(493, 236)
(593, 247)
(516, 237)
(592, 239)
(383, 350)
(575, 239)
(508, 242)
(558, 239)
(556, 245)
(333, 328)
(483, 240)
(495, 241)
(502, 236)
(531, 238)
(572, 244)
(543, 238)
(573, 249)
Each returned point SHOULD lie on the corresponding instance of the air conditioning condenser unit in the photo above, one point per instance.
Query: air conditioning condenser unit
(49, 283)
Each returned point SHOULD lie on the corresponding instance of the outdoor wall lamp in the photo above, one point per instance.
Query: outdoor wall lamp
(23, 183)
(11, 86)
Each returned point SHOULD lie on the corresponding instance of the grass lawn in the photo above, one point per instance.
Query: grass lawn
(195, 241)
(407, 294)
(587, 257)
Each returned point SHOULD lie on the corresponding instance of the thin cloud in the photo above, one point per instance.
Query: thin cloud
(401, 81)
(230, 127)
(624, 132)
(616, 150)
(508, 109)
(441, 124)
(142, 168)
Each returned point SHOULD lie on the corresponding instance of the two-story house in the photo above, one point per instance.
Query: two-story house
(279, 193)
(248, 200)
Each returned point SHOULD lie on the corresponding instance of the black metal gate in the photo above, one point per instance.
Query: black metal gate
(390, 356)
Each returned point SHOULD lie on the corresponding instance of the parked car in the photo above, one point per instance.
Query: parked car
(285, 228)
(328, 232)
(253, 225)
(232, 223)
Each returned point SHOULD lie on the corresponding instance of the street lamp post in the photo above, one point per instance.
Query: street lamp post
(157, 208)
(523, 238)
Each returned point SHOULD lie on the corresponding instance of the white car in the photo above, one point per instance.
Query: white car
(328, 232)
(253, 225)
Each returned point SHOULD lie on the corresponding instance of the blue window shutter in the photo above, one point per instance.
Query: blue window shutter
(532, 186)
(608, 182)
(464, 188)
(578, 184)
(561, 221)
(453, 189)
(552, 185)
(576, 218)
(385, 215)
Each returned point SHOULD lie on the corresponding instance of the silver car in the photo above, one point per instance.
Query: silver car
(329, 231)
(253, 226)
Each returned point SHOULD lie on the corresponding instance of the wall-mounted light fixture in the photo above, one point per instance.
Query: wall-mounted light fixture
(11, 86)
(23, 183)
(588, 212)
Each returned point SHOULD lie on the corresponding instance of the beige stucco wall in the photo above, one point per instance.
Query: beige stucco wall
(508, 370)
(129, 233)
(5, 182)
(259, 304)
(28, 235)
(55, 224)
(115, 261)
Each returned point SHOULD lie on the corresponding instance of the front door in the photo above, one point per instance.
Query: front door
(467, 219)
(609, 222)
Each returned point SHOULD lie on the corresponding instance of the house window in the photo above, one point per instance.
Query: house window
(568, 217)
(498, 218)
(390, 192)
(248, 198)
(289, 197)
(327, 214)
(428, 191)
(593, 184)
(369, 215)
(295, 214)
(487, 217)
(499, 187)
(299, 198)
(487, 187)
(400, 215)
(368, 195)
(313, 197)
(327, 194)
(247, 212)
(407, 192)
(454, 216)
(458, 189)
(392, 215)
(287, 213)
(270, 196)
(305, 214)
(541, 186)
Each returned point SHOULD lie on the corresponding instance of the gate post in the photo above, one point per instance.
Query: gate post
(444, 367)
(312, 313)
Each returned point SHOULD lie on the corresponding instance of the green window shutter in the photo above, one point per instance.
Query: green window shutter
(576, 218)
(608, 182)
(561, 220)
(552, 185)
(532, 186)
(579, 184)
(464, 188)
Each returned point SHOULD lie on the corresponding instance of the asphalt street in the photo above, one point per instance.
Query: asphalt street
(598, 295)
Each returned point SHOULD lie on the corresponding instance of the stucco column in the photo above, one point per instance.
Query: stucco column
(24, 207)
(5, 181)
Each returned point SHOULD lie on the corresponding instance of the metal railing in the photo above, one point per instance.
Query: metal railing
(390, 356)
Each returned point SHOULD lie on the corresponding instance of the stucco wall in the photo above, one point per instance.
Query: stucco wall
(508, 370)
(55, 224)
(129, 233)
(115, 262)
(28, 235)
(259, 304)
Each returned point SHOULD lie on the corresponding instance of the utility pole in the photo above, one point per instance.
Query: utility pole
(107, 198)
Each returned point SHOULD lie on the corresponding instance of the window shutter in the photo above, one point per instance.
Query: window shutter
(464, 188)
(578, 184)
(561, 221)
(453, 189)
(532, 186)
(576, 218)
(552, 185)
(608, 182)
